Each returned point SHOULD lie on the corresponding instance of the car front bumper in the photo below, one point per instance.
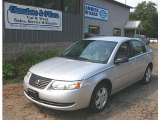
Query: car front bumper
(60, 99)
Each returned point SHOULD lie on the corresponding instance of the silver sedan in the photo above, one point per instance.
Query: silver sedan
(88, 72)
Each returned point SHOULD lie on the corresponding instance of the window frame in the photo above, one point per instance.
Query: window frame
(89, 29)
(116, 29)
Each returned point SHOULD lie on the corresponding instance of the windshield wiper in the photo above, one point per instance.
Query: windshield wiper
(86, 59)
(80, 58)
(65, 56)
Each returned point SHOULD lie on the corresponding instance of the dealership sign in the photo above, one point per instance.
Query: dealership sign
(32, 18)
(96, 12)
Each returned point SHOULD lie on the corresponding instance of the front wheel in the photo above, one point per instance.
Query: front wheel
(99, 98)
(147, 76)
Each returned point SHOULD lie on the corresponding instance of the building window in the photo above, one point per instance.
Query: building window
(71, 6)
(49, 4)
(94, 29)
(116, 32)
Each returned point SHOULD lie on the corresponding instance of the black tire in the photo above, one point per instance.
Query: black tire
(147, 75)
(104, 98)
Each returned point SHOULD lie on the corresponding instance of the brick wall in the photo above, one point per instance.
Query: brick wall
(12, 51)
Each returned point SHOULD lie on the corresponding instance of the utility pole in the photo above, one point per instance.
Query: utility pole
(125, 1)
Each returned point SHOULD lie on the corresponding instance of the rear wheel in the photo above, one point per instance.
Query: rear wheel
(99, 98)
(147, 75)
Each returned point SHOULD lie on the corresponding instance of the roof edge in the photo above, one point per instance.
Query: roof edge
(118, 3)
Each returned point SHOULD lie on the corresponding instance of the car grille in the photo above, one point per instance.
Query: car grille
(38, 81)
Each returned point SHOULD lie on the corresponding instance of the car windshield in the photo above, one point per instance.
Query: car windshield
(90, 50)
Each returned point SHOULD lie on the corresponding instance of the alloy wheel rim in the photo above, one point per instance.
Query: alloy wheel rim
(101, 98)
(148, 75)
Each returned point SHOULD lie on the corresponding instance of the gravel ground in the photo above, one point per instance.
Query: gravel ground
(137, 102)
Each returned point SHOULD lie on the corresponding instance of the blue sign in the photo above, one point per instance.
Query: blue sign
(96, 12)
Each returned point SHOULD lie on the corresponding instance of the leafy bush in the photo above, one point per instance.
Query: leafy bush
(8, 70)
(18, 68)
(47, 54)
(27, 58)
(22, 70)
(33, 58)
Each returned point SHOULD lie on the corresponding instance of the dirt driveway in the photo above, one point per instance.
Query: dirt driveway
(137, 102)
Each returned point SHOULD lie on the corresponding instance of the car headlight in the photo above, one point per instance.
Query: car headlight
(64, 85)
(28, 74)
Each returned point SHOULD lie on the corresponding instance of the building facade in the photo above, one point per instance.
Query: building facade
(39, 25)
(117, 17)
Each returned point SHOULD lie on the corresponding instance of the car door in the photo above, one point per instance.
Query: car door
(141, 57)
(124, 73)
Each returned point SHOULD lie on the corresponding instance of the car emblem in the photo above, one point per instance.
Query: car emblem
(37, 82)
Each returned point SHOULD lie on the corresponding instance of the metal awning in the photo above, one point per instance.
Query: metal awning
(133, 25)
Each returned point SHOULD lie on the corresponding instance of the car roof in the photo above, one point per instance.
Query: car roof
(110, 38)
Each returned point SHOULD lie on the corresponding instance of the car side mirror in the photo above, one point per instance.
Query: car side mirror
(121, 60)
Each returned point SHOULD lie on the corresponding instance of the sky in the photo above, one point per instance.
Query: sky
(134, 3)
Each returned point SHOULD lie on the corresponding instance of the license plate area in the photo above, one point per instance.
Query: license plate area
(33, 94)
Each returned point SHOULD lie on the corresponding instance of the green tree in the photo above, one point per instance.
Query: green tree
(147, 13)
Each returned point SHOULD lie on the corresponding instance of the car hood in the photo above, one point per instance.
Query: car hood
(66, 69)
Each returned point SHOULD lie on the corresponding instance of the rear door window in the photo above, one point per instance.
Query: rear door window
(138, 47)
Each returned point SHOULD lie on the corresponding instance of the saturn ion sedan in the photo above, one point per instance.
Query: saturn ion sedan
(87, 73)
